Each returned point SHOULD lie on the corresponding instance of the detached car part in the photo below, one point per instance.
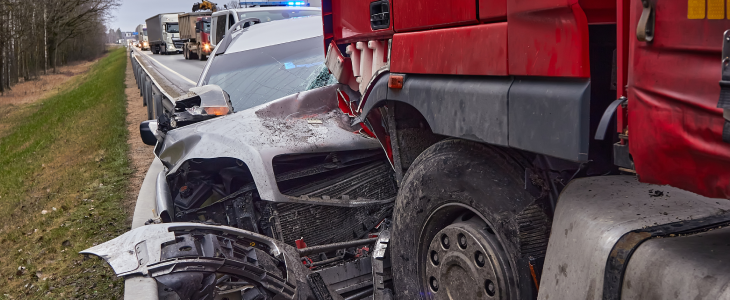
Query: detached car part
(196, 261)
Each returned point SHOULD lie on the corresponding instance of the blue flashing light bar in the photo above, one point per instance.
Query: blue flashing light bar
(274, 3)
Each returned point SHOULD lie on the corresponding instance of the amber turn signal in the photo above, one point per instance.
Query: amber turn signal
(395, 81)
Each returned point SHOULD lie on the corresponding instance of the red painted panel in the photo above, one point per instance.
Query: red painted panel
(622, 59)
(351, 21)
(468, 50)
(413, 15)
(547, 38)
(490, 10)
(599, 11)
(675, 129)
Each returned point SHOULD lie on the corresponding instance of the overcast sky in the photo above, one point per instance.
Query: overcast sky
(134, 12)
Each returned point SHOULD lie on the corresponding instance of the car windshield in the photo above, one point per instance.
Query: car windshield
(206, 27)
(173, 28)
(257, 76)
(268, 16)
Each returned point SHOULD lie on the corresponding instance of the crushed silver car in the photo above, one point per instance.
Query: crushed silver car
(268, 189)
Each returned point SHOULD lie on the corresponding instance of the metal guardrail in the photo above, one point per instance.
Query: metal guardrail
(154, 96)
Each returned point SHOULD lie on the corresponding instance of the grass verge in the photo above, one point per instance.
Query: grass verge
(63, 169)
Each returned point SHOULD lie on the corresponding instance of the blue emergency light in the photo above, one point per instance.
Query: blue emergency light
(275, 3)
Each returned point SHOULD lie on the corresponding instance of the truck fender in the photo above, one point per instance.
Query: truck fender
(517, 112)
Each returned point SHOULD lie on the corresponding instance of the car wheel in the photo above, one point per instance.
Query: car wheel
(459, 227)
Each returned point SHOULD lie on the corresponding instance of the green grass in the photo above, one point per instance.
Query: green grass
(67, 152)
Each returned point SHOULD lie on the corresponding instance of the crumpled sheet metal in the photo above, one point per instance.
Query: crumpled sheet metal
(255, 136)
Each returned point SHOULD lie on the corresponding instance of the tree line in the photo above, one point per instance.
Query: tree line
(37, 36)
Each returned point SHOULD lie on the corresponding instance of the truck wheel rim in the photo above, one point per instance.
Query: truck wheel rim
(465, 260)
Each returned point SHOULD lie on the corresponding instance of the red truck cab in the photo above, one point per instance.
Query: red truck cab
(575, 101)
(195, 31)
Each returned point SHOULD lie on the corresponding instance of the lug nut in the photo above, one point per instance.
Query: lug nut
(434, 284)
(462, 241)
(435, 257)
(479, 258)
(489, 287)
(445, 241)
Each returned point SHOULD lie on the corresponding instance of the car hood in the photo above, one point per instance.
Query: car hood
(306, 122)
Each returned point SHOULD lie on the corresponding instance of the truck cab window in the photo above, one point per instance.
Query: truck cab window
(231, 20)
(220, 28)
(172, 28)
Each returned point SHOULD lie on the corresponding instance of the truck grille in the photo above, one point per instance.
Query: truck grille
(178, 43)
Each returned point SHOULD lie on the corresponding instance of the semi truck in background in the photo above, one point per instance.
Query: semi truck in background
(195, 32)
(142, 40)
(257, 12)
(164, 34)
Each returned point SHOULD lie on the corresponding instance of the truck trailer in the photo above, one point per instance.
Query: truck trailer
(164, 34)
(142, 40)
(195, 32)
(507, 124)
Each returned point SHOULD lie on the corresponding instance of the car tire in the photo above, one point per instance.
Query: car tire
(456, 189)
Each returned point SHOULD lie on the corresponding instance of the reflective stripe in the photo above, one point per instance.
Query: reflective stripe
(695, 9)
(715, 9)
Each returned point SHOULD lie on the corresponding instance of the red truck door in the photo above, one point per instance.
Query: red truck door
(675, 127)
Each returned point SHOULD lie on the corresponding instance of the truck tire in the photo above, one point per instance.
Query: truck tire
(201, 56)
(193, 54)
(465, 227)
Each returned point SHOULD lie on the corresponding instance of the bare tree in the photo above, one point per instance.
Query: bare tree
(42, 34)
(233, 4)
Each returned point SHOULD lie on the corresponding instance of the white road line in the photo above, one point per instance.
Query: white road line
(173, 72)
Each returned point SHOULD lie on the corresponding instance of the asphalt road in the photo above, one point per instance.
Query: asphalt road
(189, 69)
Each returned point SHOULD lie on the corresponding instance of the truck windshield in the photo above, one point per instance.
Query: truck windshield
(145, 32)
(257, 76)
(206, 27)
(173, 28)
(268, 16)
